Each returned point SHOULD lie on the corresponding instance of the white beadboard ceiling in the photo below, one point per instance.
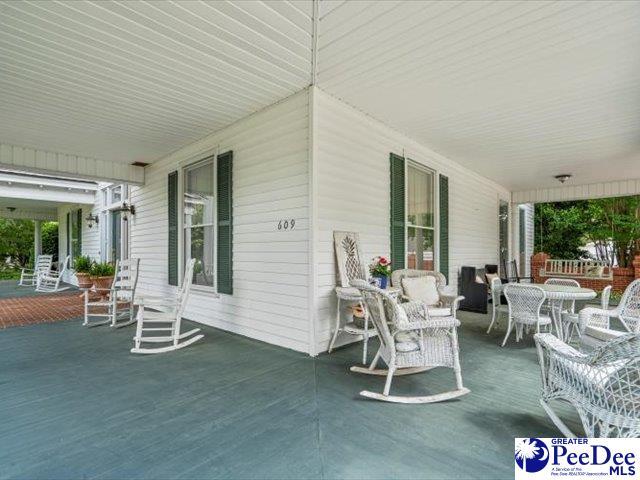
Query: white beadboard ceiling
(133, 81)
(517, 91)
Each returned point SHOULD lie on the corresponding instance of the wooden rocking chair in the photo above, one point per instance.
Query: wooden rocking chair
(410, 342)
(117, 307)
(29, 277)
(165, 315)
(50, 282)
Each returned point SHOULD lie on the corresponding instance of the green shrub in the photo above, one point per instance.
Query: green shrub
(103, 269)
(83, 264)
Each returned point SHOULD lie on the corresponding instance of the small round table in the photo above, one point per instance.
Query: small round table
(557, 295)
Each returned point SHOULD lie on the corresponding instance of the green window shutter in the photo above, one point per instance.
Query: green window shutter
(79, 227)
(68, 233)
(225, 223)
(444, 226)
(397, 214)
(172, 197)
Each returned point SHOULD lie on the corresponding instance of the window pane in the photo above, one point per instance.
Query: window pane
(199, 245)
(420, 197)
(198, 195)
(420, 248)
(116, 194)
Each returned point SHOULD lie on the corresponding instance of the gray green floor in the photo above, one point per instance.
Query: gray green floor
(11, 289)
(74, 403)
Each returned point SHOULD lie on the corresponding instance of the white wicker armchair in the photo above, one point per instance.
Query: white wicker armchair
(448, 301)
(496, 303)
(604, 386)
(595, 327)
(410, 342)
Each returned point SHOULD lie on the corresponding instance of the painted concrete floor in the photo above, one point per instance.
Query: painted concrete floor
(74, 403)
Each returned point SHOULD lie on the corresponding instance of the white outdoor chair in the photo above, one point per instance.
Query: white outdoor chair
(496, 306)
(595, 325)
(42, 266)
(566, 282)
(50, 282)
(160, 317)
(524, 309)
(351, 266)
(410, 342)
(603, 386)
(445, 301)
(117, 306)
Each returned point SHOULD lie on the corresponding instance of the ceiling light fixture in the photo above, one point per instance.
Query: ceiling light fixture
(563, 177)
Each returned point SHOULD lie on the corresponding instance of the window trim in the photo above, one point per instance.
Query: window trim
(193, 162)
(436, 211)
(106, 222)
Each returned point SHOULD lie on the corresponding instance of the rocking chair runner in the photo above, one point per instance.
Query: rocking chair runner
(165, 314)
(603, 386)
(50, 282)
(29, 277)
(410, 342)
(118, 306)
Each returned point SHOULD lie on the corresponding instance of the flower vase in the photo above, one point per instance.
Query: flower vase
(382, 282)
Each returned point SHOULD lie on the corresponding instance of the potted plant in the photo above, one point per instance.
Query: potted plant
(82, 267)
(381, 270)
(102, 274)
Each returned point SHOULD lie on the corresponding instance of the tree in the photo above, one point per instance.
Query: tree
(16, 241)
(50, 239)
(562, 229)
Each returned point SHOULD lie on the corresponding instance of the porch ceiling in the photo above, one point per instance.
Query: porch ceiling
(517, 91)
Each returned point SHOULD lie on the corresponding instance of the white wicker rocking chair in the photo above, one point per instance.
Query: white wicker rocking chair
(50, 282)
(29, 277)
(118, 307)
(603, 386)
(165, 315)
(448, 301)
(410, 342)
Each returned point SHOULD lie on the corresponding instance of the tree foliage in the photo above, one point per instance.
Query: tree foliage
(16, 241)
(50, 239)
(562, 229)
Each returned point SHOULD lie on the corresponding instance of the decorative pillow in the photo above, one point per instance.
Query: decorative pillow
(421, 289)
(490, 277)
(480, 280)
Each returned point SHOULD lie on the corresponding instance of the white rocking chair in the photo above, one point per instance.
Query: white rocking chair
(603, 386)
(410, 342)
(165, 316)
(29, 277)
(117, 306)
(50, 282)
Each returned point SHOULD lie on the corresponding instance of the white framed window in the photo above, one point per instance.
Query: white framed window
(421, 238)
(199, 220)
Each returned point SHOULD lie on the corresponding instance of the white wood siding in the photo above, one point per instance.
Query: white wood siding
(14, 157)
(352, 164)
(270, 182)
(579, 192)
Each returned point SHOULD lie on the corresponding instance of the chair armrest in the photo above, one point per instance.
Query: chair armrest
(586, 314)
(452, 300)
(553, 346)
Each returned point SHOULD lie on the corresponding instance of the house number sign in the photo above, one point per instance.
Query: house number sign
(287, 224)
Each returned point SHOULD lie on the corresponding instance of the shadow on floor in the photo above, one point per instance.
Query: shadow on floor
(76, 403)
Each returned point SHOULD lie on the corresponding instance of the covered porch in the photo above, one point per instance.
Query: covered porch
(76, 403)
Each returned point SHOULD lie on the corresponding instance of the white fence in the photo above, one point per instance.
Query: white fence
(577, 269)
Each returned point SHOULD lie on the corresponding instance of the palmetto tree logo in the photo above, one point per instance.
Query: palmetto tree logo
(532, 454)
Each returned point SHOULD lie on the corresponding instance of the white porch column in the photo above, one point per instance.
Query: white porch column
(37, 237)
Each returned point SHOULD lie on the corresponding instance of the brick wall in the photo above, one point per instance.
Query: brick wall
(621, 276)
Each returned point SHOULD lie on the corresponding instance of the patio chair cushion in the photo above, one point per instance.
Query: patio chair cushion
(422, 289)
(439, 312)
(490, 277)
(407, 342)
(603, 334)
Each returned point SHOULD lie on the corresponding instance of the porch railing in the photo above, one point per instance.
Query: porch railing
(577, 269)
